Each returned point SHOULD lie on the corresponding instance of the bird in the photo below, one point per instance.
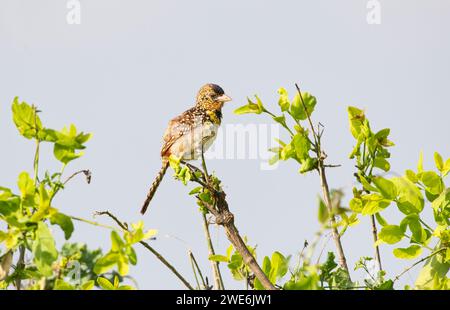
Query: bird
(191, 133)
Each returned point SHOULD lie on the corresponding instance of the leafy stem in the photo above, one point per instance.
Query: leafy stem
(324, 184)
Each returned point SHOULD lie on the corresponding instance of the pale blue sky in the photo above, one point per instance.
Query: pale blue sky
(132, 65)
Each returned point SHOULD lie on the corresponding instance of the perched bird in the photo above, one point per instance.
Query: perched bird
(192, 132)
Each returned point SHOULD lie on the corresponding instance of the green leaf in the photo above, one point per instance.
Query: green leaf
(44, 249)
(367, 186)
(381, 219)
(61, 285)
(410, 199)
(420, 163)
(308, 164)
(250, 107)
(196, 190)
(26, 119)
(106, 263)
(105, 284)
(63, 221)
(65, 154)
(374, 203)
(116, 241)
(446, 169)
(408, 253)
(388, 285)
(266, 267)
(382, 137)
(356, 205)
(323, 214)
(301, 146)
(131, 253)
(356, 119)
(391, 234)
(87, 286)
(439, 162)
(27, 188)
(297, 109)
(411, 176)
(283, 101)
(386, 187)
(432, 181)
(122, 266)
(413, 222)
(280, 120)
(382, 164)
(433, 273)
(279, 266)
(218, 258)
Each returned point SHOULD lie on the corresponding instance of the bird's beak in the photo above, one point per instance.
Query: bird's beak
(223, 98)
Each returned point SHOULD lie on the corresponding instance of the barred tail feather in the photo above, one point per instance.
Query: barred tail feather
(155, 185)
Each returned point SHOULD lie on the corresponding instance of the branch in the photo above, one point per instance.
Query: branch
(225, 218)
(375, 239)
(124, 226)
(87, 174)
(325, 189)
(194, 267)
(218, 281)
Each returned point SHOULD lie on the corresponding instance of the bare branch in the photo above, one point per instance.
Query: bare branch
(124, 226)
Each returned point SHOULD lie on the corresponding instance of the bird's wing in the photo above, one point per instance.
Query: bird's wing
(177, 128)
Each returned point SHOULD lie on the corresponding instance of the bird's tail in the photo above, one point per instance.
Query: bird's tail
(155, 184)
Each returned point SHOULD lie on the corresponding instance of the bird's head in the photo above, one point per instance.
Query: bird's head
(211, 97)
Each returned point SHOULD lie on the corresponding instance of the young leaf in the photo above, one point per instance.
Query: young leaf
(386, 187)
(381, 219)
(420, 163)
(44, 249)
(356, 119)
(25, 118)
(250, 107)
(391, 234)
(297, 109)
(410, 199)
(373, 203)
(283, 101)
(106, 263)
(105, 284)
(439, 162)
(63, 221)
(408, 253)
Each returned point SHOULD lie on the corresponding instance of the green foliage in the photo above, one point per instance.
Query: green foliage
(407, 192)
(112, 286)
(300, 147)
(29, 213)
(122, 253)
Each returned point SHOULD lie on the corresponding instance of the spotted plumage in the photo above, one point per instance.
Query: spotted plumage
(192, 132)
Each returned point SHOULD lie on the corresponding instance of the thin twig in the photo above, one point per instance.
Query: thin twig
(418, 262)
(332, 166)
(375, 239)
(194, 271)
(325, 189)
(91, 222)
(124, 226)
(195, 264)
(218, 281)
(87, 173)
